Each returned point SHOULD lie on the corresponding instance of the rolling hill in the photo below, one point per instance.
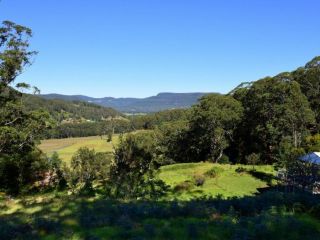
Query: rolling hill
(161, 101)
(64, 111)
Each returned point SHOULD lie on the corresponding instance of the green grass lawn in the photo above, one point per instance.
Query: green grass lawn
(227, 182)
(66, 147)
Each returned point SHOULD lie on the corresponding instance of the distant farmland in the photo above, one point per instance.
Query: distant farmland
(66, 147)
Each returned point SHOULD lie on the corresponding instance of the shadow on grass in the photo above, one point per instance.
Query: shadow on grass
(265, 177)
(264, 216)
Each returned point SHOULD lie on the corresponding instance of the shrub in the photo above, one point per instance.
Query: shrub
(132, 174)
(86, 167)
(253, 159)
(240, 170)
(213, 172)
(315, 211)
(298, 207)
(224, 159)
(184, 186)
(199, 180)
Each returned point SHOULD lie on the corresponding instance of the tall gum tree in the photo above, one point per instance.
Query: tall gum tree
(212, 123)
(19, 129)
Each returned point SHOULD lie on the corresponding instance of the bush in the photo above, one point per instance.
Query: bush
(184, 186)
(253, 159)
(315, 211)
(240, 170)
(19, 173)
(213, 172)
(132, 174)
(199, 180)
(86, 167)
(224, 159)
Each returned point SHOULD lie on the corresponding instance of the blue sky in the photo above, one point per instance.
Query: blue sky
(138, 48)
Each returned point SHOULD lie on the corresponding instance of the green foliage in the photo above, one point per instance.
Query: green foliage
(312, 143)
(309, 80)
(57, 178)
(86, 167)
(85, 129)
(173, 143)
(183, 186)
(270, 215)
(240, 170)
(66, 111)
(275, 108)
(213, 172)
(133, 173)
(18, 172)
(76, 118)
(20, 161)
(14, 55)
(253, 159)
(212, 124)
(224, 159)
(151, 121)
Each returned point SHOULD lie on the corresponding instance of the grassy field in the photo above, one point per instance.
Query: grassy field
(204, 201)
(225, 181)
(66, 147)
(273, 215)
(180, 177)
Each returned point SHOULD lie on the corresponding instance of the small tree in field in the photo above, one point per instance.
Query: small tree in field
(86, 167)
(253, 159)
(132, 175)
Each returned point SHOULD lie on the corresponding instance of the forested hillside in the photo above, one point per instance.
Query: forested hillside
(160, 102)
(69, 111)
(76, 118)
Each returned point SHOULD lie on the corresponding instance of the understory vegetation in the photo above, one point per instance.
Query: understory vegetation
(270, 215)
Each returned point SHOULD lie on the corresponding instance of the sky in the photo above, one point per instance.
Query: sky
(138, 48)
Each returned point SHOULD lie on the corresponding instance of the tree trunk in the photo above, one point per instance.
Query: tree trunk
(220, 155)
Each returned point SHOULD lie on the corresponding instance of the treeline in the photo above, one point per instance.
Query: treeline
(117, 124)
(82, 119)
(150, 121)
(86, 129)
(262, 122)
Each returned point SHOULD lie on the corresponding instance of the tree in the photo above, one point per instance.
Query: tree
(19, 129)
(275, 108)
(309, 79)
(212, 123)
(173, 143)
(56, 171)
(132, 175)
(86, 167)
(107, 128)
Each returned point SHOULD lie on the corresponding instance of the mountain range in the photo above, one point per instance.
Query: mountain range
(161, 101)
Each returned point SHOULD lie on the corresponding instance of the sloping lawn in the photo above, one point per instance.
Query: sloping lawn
(226, 180)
